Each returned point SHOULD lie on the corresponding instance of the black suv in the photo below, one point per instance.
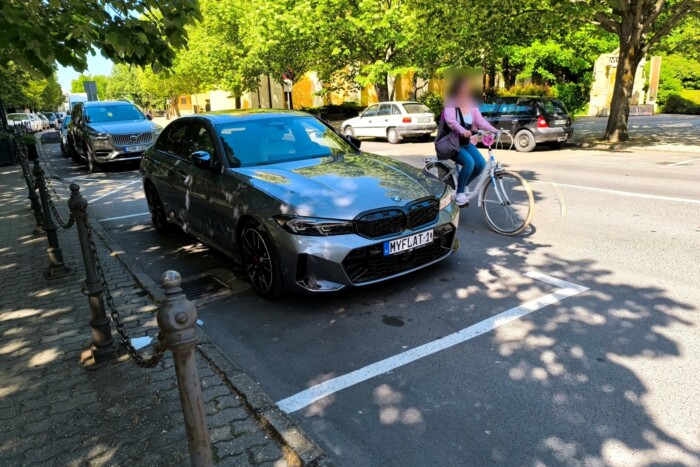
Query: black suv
(103, 132)
(531, 119)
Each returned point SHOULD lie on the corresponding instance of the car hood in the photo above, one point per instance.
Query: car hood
(131, 126)
(342, 187)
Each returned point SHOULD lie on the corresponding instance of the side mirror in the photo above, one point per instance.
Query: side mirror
(201, 160)
(87, 119)
(149, 116)
(354, 141)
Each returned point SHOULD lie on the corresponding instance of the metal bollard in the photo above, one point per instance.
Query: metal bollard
(177, 319)
(104, 349)
(33, 198)
(56, 268)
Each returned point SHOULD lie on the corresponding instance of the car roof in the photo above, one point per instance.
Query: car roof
(242, 115)
(396, 102)
(96, 103)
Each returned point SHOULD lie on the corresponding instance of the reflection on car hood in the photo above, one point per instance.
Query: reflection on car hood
(342, 187)
(131, 126)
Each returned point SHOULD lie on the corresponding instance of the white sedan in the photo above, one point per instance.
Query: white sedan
(393, 121)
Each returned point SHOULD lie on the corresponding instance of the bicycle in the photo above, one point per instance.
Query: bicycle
(504, 196)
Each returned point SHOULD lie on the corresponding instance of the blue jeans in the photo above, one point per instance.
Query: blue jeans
(472, 163)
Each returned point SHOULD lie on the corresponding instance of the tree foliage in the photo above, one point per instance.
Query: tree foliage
(35, 34)
(18, 90)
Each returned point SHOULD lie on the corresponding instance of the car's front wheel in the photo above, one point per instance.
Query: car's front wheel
(260, 260)
(159, 218)
(392, 135)
(349, 131)
(93, 165)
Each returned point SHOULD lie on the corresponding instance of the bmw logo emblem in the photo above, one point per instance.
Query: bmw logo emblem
(396, 198)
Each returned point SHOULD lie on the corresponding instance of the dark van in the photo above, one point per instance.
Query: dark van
(532, 120)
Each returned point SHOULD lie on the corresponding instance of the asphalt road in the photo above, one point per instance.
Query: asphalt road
(608, 375)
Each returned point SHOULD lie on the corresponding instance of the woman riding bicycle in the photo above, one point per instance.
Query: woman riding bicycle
(461, 114)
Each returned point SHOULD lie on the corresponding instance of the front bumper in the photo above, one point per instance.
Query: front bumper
(554, 134)
(327, 264)
(416, 130)
(105, 152)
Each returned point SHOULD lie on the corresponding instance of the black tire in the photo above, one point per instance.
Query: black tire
(159, 218)
(349, 131)
(257, 251)
(393, 136)
(92, 164)
(524, 141)
(511, 212)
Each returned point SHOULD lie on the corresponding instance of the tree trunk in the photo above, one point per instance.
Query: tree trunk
(382, 90)
(627, 63)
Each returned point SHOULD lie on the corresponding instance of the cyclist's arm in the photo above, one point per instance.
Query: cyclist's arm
(481, 122)
(450, 116)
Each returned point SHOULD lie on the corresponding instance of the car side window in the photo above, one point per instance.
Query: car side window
(384, 109)
(198, 139)
(162, 143)
(395, 110)
(371, 111)
(173, 144)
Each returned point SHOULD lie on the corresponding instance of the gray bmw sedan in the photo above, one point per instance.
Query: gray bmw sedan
(296, 203)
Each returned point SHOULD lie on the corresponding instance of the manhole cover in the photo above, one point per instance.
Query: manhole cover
(202, 286)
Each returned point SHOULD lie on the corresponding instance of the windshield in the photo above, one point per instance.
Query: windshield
(415, 108)
(113, 113)
(260, 141)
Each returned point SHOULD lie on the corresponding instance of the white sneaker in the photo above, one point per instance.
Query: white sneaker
(461, 199)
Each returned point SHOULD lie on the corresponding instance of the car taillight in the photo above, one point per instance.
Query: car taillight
(541, 122)
(406, 120)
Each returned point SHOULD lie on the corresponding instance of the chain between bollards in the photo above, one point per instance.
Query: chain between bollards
(57, 267)
(177, 319)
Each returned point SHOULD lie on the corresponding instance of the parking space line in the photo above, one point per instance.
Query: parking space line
(677, 164)
(109, 193)
(629, 194)
(304, 398)
(139, 214)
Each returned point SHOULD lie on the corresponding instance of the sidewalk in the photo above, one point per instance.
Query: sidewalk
(54, 412)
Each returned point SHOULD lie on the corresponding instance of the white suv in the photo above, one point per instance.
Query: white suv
(393, 121)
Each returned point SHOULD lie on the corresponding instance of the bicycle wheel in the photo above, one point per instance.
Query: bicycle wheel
(439, 171)
(508, 204)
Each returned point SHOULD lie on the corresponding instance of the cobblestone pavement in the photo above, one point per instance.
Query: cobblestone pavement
(52, 411)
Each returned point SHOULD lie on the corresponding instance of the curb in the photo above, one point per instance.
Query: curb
(280, 425)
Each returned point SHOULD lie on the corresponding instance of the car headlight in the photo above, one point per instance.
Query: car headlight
(446, 198)
(157, 130)
(315, 226)
(98, 136)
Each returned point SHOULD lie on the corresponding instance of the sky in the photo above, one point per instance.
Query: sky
(97, 65)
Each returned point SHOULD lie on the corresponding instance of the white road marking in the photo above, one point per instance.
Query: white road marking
(304, 398)
(684, 162)
(124, 217)
(629, 194)
(109, 193)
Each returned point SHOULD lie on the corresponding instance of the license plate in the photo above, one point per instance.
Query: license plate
(425, 120)
(408, 243)
(560, 122)
(134, 148)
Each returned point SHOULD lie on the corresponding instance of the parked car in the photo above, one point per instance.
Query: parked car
(104, 132)
(45, 124)
(295, 202)
(393, 121)
(64, 136)
(20, 119)
(531, 120)
(53, 121)
(36, 123)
